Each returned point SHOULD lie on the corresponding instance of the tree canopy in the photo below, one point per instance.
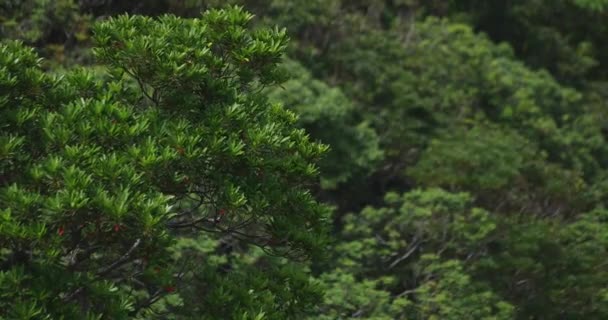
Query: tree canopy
(277, 159)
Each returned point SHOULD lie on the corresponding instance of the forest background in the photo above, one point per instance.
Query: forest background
(155, 167)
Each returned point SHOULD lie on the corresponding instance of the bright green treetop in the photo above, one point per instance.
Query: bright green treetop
(99, 178)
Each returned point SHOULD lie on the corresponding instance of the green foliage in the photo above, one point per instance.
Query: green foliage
(444, 78)
(59, 28)
(505, 171)
(242, 285)
(417, 96)
(442, 221)
(563, 36)
(347, 298)
(451, 259)
(409, 248)
(548, 263)
(449, 293)
(478, 159)
(98, 178)
(214, 92)
(330, 117)
(595, 5)
(170, 180)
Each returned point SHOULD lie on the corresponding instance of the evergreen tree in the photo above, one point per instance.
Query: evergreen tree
(159, 167)
(99, 178)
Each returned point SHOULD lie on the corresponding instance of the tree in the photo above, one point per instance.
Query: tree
(505, 171)
(432, 253)
(99, 179)
(438, 79)
(412, 259)
(466, 161)
(563, 37)
(549, 268)
(329, 116)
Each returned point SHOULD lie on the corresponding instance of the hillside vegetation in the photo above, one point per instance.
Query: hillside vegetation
(320, 159)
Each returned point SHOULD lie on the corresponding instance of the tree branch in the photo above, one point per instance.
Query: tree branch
(125, 257)
(404, 256)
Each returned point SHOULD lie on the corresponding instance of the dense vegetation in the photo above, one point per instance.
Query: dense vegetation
(378, 159)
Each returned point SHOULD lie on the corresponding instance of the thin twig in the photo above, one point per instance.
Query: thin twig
(121, 261)
(404, 256)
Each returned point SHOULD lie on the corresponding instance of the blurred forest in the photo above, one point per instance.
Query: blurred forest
(461, 151)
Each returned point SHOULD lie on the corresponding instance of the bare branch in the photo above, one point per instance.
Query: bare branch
(125, 258)
(405, 255)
